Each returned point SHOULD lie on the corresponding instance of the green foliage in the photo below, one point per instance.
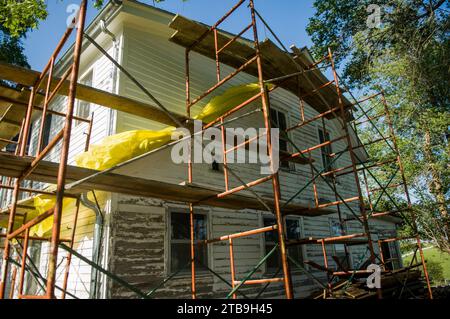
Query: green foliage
(408, 56)
(17, 17)
(436, 272)
(11, 51)
(438, 264)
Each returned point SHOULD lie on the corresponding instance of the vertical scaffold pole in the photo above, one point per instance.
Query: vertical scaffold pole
(190, 179)
(275, 179)
(53, 258)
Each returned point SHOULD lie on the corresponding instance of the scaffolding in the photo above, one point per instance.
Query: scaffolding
(293, 73)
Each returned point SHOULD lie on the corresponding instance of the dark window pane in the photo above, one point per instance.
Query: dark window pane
(274, 261)
(274, 117)
(282, 121)
(321, 137)
(293, 229)
(293, 232)
(326, 150)
(336, 229)
(11, 148)
(283, 145)
(47, 130)
(181, 226)
(181, 255)
(200, 227)
(271, 236)
(180, 245)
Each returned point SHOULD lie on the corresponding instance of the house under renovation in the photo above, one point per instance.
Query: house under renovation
(95, 206)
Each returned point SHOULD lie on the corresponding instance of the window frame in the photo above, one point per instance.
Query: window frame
(330, 223)
(323, 155)
(168, 242)
(270, 271)
(80, 103)
(290, 167)
(47, 131)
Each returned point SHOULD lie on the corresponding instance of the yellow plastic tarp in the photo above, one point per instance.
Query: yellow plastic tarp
(223, 103)
(121, 147)
(42, 204)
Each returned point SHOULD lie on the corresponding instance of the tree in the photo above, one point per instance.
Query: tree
(16, 18)
(408, 55)
(11, 50)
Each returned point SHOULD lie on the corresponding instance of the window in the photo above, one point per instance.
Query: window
(83, 108)
(339, 249)
(11, 148)
(279, 121)
(180, 251)
(326, 150)
(391, 255)
(271, 239)
(47, 130)
(293, 232)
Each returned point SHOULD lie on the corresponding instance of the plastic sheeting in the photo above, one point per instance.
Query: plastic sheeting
(121, 147)
(223, 103)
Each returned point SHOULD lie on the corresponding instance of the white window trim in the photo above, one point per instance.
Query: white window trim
(292, 167)
(329, 131)
(168, 241)
(77, 104)
(294, 270)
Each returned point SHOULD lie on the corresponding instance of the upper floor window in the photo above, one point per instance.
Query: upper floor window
(47, 130)
(83, 108)
(279, 120)
(293, 232)
(180, 242)
(327, 150)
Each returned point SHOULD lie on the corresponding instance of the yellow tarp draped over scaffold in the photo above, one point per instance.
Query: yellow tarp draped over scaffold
(121, 147)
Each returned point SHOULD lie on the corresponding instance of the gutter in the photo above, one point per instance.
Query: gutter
(98, 234)
(108, 13)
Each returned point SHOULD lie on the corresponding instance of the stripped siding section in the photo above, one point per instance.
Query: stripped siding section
(140, 249)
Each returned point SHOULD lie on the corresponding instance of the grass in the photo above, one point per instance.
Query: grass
(434, 255)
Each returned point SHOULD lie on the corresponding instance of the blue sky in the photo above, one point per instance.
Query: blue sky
(288, 18)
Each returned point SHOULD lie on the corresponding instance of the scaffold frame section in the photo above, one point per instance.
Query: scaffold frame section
(338, 107)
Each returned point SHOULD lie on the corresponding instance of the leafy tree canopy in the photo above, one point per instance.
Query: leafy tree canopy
(407, 54)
